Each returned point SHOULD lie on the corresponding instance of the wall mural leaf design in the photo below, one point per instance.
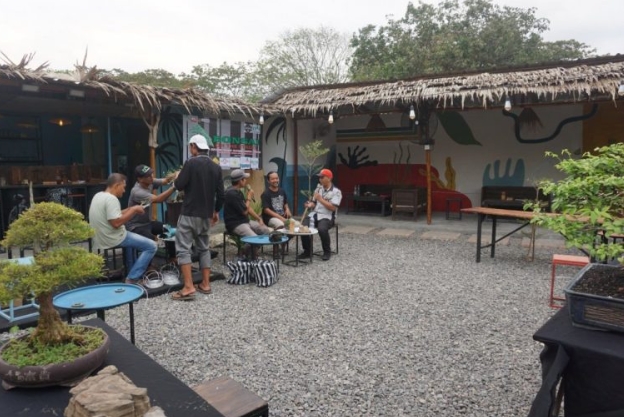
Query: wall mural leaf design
(507, 178)
(279, 126)
(169, 150)
(356, 159)
(457, 128)
(518, 125)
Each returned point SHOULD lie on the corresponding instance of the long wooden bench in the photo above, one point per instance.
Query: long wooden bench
(512, 197)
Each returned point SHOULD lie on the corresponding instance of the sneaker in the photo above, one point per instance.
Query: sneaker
(304, 255)
(326, 256)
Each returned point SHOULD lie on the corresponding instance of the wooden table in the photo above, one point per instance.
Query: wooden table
(494, 214)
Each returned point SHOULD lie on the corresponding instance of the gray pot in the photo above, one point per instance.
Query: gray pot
(64, 374)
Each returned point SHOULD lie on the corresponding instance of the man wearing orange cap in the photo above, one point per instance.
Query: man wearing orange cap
(323, 206)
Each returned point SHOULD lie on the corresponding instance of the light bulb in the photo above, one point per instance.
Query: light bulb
(60, 122)
(507, 105)
(330, 119)
(621, 90)
(261, 119)
(412, 114)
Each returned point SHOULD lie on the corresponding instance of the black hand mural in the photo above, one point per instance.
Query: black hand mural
(356, 158)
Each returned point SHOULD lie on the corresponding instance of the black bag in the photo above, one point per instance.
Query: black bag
(241, 272)
(275, 237)
(264, 273)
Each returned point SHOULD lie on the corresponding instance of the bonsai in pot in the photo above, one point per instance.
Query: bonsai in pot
(589, 203)
(32, 360)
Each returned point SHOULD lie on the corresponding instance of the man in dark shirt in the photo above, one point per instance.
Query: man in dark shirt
(202, 182)
(236, 209)
(275, 208)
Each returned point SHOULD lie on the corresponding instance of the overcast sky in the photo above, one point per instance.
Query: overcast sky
(176, 35)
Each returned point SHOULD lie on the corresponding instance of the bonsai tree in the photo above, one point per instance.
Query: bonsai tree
(311, 152)
(48, 228)
(590, 200)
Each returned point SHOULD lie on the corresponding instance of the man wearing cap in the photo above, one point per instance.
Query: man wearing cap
(236, 209)
(324, 206)
(202, 182)
(141, 194)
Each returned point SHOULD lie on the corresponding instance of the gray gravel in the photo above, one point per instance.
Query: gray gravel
(389, 327)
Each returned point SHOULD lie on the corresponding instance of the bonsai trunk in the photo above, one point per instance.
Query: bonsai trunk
(50, 329)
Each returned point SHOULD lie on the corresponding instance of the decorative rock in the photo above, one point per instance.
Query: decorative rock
(110, 393)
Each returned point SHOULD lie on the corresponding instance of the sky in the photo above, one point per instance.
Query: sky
(135, 35)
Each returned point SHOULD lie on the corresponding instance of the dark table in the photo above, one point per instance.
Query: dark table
(590, 364)
(164, 389)
(495, 214)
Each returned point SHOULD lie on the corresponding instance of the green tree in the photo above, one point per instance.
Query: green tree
(456, 35)
(154, 77)
(305, 57)
(240, 79)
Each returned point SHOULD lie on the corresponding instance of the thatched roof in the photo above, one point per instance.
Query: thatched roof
(562, 81)
(143, 97)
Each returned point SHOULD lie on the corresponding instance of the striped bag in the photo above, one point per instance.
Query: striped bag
(241, 272)
(264, 273)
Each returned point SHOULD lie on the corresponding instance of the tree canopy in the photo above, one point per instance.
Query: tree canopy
(456, 36)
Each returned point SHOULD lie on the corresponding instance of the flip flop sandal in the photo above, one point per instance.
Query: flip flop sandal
(178, 296)
(203, 291)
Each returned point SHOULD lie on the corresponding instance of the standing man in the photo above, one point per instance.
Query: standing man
(324, 205)
(236, 209)
(141, 194)
(108, 219)
(202, 182)
(275, 208)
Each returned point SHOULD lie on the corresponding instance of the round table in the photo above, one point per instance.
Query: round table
(262, 240)
(99, 298)
(297, 234)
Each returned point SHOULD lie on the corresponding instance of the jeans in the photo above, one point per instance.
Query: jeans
(147, 248)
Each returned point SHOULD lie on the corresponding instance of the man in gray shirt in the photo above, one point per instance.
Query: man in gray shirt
(108, 219)
(142, 194)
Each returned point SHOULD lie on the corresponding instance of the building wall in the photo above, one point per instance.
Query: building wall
(472, 148)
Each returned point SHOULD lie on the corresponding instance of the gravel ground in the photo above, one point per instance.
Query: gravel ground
(389, 327)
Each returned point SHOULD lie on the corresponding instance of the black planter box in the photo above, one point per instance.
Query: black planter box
(594, 311)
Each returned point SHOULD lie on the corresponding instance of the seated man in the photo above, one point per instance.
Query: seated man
(141, 194)
(324, 205)
(236, 208)
(107, 218)
(275, 208)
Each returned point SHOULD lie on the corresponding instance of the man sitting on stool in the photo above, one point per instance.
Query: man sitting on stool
(275, 208)
(324, 205)
(237, 209)
(108, 219)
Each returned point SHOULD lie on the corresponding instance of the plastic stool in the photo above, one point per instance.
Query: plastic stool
(448, 208)
(570, 260)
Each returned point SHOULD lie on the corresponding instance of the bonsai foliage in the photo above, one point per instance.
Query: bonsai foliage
(48, 228)
(311, 152)
(590, 199)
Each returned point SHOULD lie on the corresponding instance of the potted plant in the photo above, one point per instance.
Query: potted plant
(34, 359)
(311, 152)
(589, 207)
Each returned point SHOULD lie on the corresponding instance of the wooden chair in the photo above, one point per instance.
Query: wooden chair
(404, 200)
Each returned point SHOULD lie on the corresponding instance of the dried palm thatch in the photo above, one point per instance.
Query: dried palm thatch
(146, 98)
(21, 70)
(561, 81)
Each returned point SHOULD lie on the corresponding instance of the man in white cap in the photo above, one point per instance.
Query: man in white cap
(237, 208)
(202, 182)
